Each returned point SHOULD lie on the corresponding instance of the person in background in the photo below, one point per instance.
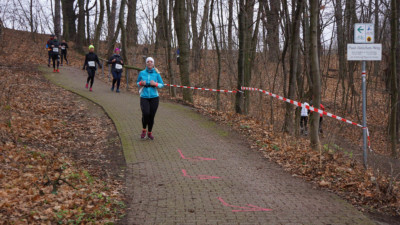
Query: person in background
(116, 69)
(90, 64)
(64, 47)
(149, 80)
(320, 118)
(55, 53)
(304, 118)
(178, 58)
(49, 49)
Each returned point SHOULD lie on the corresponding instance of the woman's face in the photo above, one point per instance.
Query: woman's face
(150, 64)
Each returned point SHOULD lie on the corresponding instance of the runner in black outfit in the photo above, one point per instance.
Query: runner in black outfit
(55, 53)
(90, 64)
(64, 47)
(116, 69)
(49, 49)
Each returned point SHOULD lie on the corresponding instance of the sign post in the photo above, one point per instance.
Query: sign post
(364, 50)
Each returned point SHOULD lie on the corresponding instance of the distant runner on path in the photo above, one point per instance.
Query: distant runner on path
(90, 64)
(149, 80)
(116, 69)
(49, 49)
(64, 47)
(304, 119)
(55, 53)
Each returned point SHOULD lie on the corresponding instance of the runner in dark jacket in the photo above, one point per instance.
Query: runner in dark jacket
(64, 47)
(90, 64)
(55, 53)
(49, 49)
(116, 69)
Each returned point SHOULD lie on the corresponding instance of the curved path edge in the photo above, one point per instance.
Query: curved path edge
(195, 172)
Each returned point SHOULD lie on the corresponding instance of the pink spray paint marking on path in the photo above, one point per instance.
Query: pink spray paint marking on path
(200, 177)
(197, 158)
(250, 208)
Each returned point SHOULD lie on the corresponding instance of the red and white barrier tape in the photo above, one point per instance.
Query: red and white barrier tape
(203, 89)
(299, 104)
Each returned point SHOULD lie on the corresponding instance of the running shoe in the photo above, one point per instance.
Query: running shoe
(48, 65)
(143, 135)
(87, 86)
(112, 89)
(150, 135)
(58, 70)
(90, 89)
(54, 70)
(117, 91)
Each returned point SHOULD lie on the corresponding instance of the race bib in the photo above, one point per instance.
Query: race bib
(55, 49)
(91, 64)
(62, 47)
(118, 66)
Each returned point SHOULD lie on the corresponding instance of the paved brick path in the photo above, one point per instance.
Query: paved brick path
(160, 193)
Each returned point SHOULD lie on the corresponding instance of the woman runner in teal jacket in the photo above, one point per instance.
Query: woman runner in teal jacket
(148, 81)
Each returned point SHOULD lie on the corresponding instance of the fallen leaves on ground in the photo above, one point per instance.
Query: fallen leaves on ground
(56, 152)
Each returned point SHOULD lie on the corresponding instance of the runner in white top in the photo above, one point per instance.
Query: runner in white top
(304, 118)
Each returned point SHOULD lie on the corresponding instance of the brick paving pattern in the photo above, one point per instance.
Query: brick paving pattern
(160, 193)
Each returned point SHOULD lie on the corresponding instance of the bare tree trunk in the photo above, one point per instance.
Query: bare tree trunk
(230, 25)
(218, 53)
(160, 39)
(182, 31)
(294, 57)
(31, 17)
(99, 26)
(87, 21)
(198, 37)
(341, 44)
(80, 38)
(121, 24)
(249, 46)
(315, 73)
(273, 29)
(69, 18)
(131, 25)
(394, 82)
(376, 30)
(239, 100)
(111, 28)
(167, 36)
(57, 18)
(1, 36)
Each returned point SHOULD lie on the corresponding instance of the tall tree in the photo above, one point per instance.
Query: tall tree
(394, 79)
(198, 36)
(273, 28)
(294, 58)
(121, 25)
(182, 32)
(230, 25)
(239, 98)
(99, 26)
(341, 39)
(160, 37)
(249, 47)
(167, 37)
(111, 28)
(315, 73)
(131, 24)
(69, 18)
(80, 37)
(218, 53)
(57, 17)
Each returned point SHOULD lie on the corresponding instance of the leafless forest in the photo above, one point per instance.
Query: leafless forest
(296, 49)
